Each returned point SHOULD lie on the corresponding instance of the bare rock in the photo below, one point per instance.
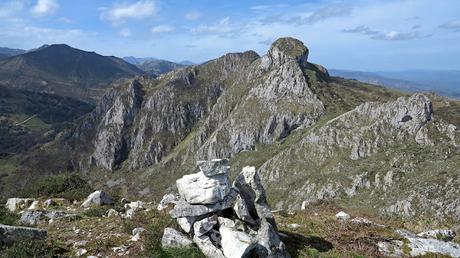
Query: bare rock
(201, 189)
(173, 238)
(214, 167)
(10, 234)
(97, 198)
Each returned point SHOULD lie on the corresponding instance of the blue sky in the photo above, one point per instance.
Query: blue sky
(361, 35)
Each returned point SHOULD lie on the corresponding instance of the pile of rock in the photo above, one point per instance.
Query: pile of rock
(224, 220)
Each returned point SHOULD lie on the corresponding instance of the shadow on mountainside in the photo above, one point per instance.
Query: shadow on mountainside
(296, 242)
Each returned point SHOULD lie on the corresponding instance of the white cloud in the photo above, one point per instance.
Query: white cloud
(193, 15)
(125, 32)
(395, 35)
(162, 29)
(10, 8)
(44, 7)
(119, 13)
(451, 25)
(224, 26)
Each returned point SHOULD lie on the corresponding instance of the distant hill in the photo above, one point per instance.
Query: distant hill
(65, 71)
(442, 82)
(4, 51)
(186, 62)
(156, 67)
(138, 60)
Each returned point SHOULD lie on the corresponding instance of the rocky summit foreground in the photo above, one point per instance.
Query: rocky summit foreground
(223, 220)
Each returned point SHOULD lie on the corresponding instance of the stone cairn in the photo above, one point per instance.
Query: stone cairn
(224, 220)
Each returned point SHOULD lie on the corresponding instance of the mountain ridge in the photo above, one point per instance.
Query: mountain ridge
(280, 113)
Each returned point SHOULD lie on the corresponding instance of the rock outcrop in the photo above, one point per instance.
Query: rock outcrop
(11, 234)
(217, 228)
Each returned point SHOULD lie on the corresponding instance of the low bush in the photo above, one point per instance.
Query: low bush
(68, 186)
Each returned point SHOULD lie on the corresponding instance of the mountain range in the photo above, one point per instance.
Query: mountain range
(313, 137)
(442, 82)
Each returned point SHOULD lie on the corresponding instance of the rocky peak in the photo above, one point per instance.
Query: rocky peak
(288, 49)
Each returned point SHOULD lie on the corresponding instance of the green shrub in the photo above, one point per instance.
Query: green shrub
(97, 211)
(68, 186)
(27, 249)
(7, 217)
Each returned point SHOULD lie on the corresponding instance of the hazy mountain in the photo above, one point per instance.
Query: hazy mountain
(138, 60)
(312, 137)
(11, 51)
(445, 83)
(157, 67)
(65, 71)
(186, 62)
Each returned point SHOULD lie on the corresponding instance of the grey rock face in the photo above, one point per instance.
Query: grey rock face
(110, 143)
(253, 197)
(11, 234)
(173, 238)
(32, 217)
(97, 198)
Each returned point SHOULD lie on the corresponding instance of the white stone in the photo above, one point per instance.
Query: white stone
(112, 213)
(166, 200)
(206, 246)
(235, 244)
(342, 216)
(173, 238)
(186, 223)
(203, 226)
(34, 206)
(421, 246)
(294, 226)
(200, 189)
(81, 252)
(440, 234)
(16, 204)
(97, 198)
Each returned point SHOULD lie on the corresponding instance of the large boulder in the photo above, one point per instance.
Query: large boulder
(17, 204)
(184, 209)
(11, 234)
(253, 205)
(31, 217)
(207, 247)
(235, 243)
(269, 243)
(173, 239)
(97, 198)
(200, 189)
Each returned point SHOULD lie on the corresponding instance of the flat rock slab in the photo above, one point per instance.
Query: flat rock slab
(200, 189)
(11, 234)
(184, 209)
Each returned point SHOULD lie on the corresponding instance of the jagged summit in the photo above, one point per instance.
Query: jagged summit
(290, 48)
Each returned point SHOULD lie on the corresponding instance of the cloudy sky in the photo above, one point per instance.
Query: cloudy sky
(361, 35)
